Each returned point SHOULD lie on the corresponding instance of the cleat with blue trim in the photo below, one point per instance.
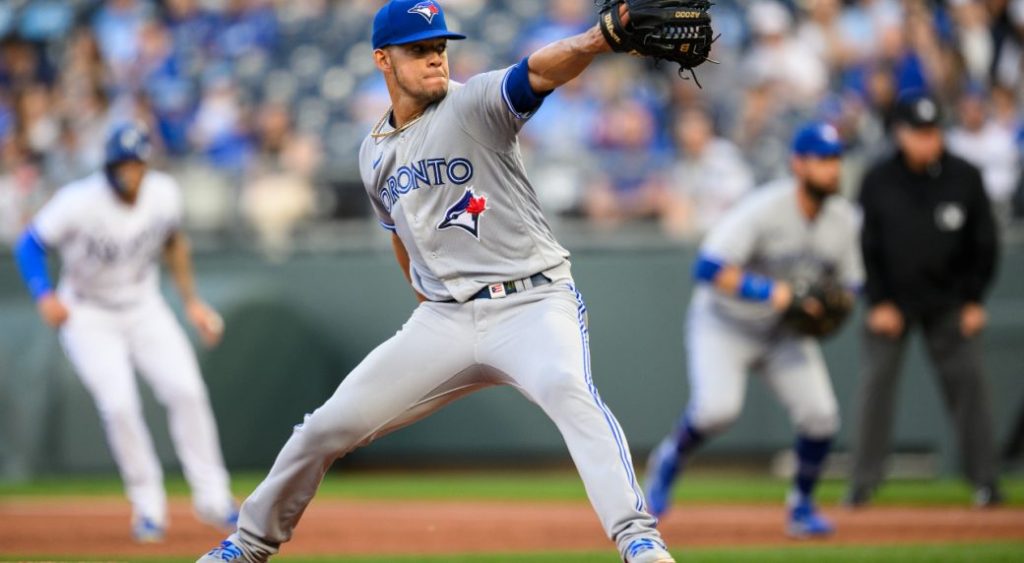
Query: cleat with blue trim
(146, 530)
(805, 522)
(226, 551)
(648, 550)
(662, 469)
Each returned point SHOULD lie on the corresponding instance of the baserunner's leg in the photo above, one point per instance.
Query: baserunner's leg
(97, 348)
(160, 349)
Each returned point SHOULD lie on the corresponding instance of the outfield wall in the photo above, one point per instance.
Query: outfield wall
(296, 327)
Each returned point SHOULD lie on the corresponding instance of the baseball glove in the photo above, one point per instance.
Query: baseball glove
(672, 30)
(818, 309)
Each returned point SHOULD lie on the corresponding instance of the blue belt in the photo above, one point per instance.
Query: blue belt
(504, 289)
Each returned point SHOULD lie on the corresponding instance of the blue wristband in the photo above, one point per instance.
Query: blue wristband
(706, 268)
(754, 287)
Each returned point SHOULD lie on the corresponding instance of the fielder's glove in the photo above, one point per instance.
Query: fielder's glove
(818, 309)
(672, 30)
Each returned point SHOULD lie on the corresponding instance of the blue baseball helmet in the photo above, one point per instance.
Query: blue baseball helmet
(128, 142)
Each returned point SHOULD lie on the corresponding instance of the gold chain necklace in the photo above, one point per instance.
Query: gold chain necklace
(375, 132)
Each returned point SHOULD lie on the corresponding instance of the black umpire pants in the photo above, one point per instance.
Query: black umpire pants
(958, 366)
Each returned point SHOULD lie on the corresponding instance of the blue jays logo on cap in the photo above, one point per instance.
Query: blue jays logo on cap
(426, 9)
(407, 21)
(465, 214)
(818, 139)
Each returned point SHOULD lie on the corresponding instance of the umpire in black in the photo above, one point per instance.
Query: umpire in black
(930, 249)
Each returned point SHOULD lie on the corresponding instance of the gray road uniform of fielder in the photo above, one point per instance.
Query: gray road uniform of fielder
(793, 232)
(727, 336)
(501, 309)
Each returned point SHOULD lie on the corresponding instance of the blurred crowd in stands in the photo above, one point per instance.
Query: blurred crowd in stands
(259, 106)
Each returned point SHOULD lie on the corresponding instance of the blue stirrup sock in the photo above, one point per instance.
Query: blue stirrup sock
(688, 438)
(810, 455)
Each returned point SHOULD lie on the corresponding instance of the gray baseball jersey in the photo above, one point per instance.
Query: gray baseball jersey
(728, 336)
(454, 188)
(766, 234)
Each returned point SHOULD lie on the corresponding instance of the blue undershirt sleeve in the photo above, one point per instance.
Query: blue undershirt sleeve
(519, 95)
(753, 287)
(30, 255)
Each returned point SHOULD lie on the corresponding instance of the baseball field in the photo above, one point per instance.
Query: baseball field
(525, 516)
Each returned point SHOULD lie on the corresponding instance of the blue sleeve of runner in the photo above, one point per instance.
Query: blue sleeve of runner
(519, 95)
(31, 257)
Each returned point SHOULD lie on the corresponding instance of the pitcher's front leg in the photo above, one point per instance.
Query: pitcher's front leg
(556, 375)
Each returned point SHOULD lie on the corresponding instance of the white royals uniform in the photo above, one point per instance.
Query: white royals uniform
(118, 321)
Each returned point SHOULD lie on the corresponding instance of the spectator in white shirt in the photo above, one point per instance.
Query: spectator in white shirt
(983, 142)
(708, 179)
(800, 75)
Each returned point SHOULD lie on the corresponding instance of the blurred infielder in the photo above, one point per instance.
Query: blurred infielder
(497, 301)
(110, 229)
(778, 270)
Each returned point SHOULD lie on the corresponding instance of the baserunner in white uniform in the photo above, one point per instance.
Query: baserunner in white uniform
(110, 229)
(792, 231)
(497, 302)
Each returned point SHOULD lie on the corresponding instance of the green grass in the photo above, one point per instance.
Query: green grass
(938, 553)
(533, 486)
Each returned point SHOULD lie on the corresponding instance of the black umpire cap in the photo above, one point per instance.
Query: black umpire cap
(918, 110)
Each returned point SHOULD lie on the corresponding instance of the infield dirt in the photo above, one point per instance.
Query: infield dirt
(85, 527)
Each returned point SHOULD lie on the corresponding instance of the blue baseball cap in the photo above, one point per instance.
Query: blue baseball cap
(817, 139)
(407, 21)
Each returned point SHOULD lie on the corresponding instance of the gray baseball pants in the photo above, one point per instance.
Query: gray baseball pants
(535, 341)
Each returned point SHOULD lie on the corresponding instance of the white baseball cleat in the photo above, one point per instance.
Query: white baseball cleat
(146, 530)
(224, 521)
(648, 550)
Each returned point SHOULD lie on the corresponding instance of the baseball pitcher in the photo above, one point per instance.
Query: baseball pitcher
(498, 305)
(110, 229)
(777, 273)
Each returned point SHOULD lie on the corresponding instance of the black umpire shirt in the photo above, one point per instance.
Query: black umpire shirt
(929, 239)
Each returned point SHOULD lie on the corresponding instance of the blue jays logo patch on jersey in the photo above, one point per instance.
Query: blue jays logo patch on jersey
(465, 214)
(426, 9)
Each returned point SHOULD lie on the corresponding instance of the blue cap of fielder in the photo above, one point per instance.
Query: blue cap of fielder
(818, 139)
(407, 21)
